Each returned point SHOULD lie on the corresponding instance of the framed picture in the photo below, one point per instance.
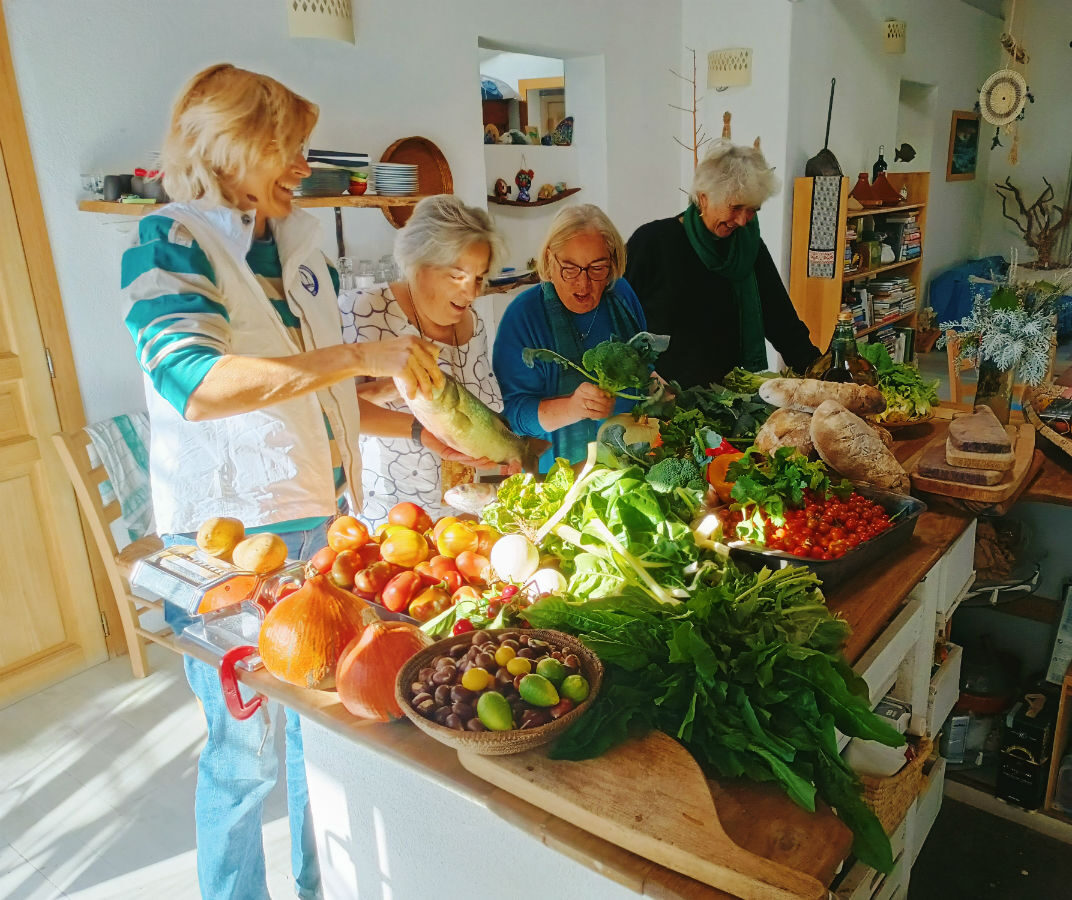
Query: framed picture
(963, 146)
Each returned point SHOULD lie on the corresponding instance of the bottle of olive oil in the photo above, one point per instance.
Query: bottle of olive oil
(842, 361)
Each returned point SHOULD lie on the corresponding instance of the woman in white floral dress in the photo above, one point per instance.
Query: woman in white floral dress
(445, 250)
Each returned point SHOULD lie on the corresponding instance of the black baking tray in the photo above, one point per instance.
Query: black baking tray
(834, 571)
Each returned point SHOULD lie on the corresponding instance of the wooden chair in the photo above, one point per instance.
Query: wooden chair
(72, 448)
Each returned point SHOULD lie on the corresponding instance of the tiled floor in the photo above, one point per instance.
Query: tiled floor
(96, 789)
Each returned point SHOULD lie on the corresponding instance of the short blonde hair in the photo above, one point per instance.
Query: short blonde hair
(440, 230)
(226, 122)
(581, 219)
(732, 173)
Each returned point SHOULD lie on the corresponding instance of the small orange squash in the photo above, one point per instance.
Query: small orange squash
(304, 634)
(370, 665)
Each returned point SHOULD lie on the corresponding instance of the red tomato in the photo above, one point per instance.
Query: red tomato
(410, 515)
(347, 533)
(465, 592)
(346, 566)
(430, 603)
(399, 592)
(323, 560)
(370, 553)
(462, 626)
(436, 569)
(373, 579)
(473, 566)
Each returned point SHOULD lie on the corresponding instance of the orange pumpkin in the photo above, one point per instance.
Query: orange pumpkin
(370, 665)
(304, 634)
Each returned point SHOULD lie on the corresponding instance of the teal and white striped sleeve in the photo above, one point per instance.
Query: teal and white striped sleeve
(176, 313)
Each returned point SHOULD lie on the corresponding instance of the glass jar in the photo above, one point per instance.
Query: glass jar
(346, 273)
(995, 389)
(365, 276)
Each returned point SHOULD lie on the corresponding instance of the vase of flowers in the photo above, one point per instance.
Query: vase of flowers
(1009, 335)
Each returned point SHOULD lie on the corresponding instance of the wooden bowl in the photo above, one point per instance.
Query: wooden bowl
(499, 743)
(433, 172)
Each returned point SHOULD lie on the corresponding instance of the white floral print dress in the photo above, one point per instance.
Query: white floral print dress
(396, 469)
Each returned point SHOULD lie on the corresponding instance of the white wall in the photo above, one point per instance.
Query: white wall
(759, 109)
(509, 67)
(1045, 28)
(949, 44)
(97, 81)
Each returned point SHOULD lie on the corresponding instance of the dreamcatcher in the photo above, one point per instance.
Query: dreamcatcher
(1005, 94)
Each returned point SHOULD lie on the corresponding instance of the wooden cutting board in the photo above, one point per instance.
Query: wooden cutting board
(1023, 438)
(649, 796)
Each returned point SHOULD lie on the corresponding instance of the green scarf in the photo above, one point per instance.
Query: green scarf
(734, 258)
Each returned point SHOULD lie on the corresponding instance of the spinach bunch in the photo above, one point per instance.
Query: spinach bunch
(745, 674)
(694, 418)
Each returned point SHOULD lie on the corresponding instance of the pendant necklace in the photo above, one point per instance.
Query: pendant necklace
(588, 331)
(420, 331)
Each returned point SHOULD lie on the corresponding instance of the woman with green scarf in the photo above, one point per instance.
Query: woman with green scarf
(706, 278)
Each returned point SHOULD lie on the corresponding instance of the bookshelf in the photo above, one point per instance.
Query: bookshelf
(818, 300)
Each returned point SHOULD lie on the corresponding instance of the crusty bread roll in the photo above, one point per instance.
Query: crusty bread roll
(786, 428)
(849, 445)
(806, 394)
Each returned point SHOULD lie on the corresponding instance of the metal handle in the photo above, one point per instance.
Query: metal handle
(229, 684)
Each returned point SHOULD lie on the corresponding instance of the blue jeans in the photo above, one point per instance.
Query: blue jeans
(233, 780)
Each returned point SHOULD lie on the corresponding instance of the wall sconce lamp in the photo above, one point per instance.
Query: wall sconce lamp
(893, 36)
(331, 19)
(728, 68)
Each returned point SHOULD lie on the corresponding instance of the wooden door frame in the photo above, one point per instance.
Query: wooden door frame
(51, 318)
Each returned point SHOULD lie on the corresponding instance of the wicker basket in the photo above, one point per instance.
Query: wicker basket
(499, 743)
(890, 798)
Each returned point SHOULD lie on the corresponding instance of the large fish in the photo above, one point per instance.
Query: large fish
(457, 417)
(471, 497)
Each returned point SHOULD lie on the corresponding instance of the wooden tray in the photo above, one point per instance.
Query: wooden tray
(1023, 438)
(649, 796)
(433, 173)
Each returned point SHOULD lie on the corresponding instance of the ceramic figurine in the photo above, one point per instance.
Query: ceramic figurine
(523, 180)
(560, 187)
(502, 189)
(562, 136)
(546, 192)
(491, 134)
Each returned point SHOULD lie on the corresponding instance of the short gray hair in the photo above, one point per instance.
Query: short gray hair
(439, 232)
(732, 173)
(581, 219)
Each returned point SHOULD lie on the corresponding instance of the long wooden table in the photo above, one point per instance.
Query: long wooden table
(759, 818)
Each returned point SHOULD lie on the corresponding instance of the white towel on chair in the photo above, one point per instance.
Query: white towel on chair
(121, 445)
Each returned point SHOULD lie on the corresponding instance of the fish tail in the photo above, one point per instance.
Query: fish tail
(531, 451)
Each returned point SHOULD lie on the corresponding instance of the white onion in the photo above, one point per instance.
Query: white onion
(547, 581)
(514, 558)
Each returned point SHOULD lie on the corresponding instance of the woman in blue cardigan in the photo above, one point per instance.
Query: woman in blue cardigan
(581, 301)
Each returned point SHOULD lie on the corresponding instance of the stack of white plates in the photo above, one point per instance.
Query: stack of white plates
(395, 179)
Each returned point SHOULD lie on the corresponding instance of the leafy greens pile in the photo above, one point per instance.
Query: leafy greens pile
(907, 395)
(696, 418)
(612, 365)
(745, 674)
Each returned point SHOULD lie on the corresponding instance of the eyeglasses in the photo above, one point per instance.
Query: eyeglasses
(597, 271)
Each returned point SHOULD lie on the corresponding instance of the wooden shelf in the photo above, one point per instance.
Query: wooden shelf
(567, 192)
(866, 273)
(880, 210)
(871, 328)
(343, 200)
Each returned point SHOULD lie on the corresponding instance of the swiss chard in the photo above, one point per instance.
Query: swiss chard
(743, 673)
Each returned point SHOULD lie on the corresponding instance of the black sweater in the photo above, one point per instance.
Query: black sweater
(681, 297)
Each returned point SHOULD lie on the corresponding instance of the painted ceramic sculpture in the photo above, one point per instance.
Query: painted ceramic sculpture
(546, 192)
(523, 180)
(502, 189)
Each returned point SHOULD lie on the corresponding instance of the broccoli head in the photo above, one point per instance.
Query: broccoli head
(613, 365)
(675, 472)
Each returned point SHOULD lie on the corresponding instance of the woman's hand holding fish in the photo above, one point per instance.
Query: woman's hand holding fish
(409, 359)
(445, 451)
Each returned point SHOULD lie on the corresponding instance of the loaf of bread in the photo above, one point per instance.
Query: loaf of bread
(849, 445)
(786, 428)
(806, 394)
(979, 432)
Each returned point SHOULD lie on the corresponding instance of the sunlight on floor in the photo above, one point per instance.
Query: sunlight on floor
(97, 782)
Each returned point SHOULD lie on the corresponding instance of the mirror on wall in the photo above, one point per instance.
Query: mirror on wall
(523, 98)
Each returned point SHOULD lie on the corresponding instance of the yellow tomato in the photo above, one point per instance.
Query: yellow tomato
(404, 547)
(440, 525)
(487, 537)
(456, 538)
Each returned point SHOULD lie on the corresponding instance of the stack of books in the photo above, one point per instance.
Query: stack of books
(903, 235)
(895, 341)
(852, 259)
(891, 298)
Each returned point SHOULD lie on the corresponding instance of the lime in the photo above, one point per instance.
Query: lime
(574, 687)
(538, 691)
(551, 669)
(493, 711)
